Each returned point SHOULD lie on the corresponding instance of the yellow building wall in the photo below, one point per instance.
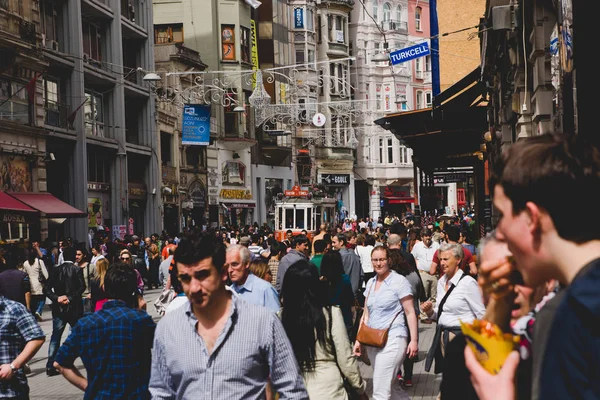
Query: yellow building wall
(458, 54)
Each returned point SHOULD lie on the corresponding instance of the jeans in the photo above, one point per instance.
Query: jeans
(37, 303)
(58, 327)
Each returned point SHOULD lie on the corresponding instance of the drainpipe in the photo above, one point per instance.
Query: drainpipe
(435, 48)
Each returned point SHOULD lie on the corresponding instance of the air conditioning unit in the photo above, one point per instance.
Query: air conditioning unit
(51, 44)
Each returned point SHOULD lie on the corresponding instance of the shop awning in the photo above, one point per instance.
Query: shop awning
(450, 132)
(49, 205)
(9, 203)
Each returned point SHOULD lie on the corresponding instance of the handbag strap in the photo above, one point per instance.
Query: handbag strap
(441, 306)
(367, 308)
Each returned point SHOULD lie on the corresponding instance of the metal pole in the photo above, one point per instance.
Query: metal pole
(435, 48)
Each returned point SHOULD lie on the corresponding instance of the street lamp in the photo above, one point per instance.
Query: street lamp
(151, 77)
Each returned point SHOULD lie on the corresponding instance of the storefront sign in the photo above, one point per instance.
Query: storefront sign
(253, 50)
(335, 179)
(396, 191)
(98, 186)
(196, 125)
(449, 178)
(130, 226)
(236, 194)
(137, 190)
(240, 205)
(295, 192)
(11, 218)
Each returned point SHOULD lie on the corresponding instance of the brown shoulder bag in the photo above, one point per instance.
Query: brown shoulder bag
(371, 336)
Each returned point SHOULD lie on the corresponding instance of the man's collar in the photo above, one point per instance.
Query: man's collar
(247, 286)
(113, 303)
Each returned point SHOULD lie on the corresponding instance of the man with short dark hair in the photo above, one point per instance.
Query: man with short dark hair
(217, 345)
(64, 287)
(350, 261)
(114, 343)
(297, 253)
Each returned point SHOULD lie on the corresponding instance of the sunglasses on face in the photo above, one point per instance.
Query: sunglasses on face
(125, 258)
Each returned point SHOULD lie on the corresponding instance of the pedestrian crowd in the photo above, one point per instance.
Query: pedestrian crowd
(244, 316)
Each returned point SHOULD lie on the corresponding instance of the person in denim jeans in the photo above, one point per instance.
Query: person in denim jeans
(64, 287)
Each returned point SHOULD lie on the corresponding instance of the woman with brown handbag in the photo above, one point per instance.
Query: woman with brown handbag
(383, 332)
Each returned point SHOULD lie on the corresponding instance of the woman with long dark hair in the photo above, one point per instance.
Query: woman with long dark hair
(338, 289)
(318, 335)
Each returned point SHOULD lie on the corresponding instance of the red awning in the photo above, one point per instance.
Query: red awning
(11, 204)
(49, 205)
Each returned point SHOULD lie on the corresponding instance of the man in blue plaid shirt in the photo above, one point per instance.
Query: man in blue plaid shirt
(21, 337)
(114, 343)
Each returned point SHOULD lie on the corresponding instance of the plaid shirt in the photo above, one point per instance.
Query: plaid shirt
(17, 327)
(115, 346)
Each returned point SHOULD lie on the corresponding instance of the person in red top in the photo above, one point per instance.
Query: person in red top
(165, 250)
(467, 264)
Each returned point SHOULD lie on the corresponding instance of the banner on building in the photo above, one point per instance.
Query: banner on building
(298, 18)
(196, 125)
(254, 50)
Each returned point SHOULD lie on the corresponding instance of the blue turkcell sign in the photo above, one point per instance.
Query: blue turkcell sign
(409, 53)
(196, 125)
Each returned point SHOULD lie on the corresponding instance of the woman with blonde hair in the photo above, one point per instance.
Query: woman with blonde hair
(261, 270)
(99, 296)
(154, 257)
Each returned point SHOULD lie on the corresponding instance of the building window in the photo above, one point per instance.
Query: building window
(404, 155)
(390, 150)
(419, 68)
(52, 109)
(367, 150)
(245, 44)
(419, 99)
(166, 154)
(418, 18)
(92, 42)
(428, 99)
(381, 151)
(98, 166)
(428, 63)
(388, 102)
(375, 11)
(168, 33)
(13, 100)
(311, 58)
(367, 89)
(367, 53)
(49, 21)
(319, 32)
(231, 117)
(94, 114)
(310, 19)
(300, 56)
(387, 12)
(378, 97)
(228, 42)
(195, 156)
(398, 13)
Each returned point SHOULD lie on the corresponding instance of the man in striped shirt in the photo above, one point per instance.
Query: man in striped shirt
(218, 345)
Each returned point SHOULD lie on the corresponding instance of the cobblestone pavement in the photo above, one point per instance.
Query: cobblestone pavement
(425, 385)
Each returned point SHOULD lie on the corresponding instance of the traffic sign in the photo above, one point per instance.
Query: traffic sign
(409, 53)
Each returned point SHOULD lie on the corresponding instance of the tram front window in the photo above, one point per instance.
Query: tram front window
(289, 218)
(300, 219)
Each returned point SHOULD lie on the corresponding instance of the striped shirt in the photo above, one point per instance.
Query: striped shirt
(252, 346)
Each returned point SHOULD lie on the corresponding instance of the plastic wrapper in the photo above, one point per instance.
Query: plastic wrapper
(490, 345)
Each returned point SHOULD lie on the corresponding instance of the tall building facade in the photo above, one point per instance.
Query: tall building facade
(220, 31)
(383, 164)
(183, 167)
(92, 108)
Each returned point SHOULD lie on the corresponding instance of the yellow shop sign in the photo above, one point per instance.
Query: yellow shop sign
(237, 194)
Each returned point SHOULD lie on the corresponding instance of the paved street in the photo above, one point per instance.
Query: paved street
(425, 385)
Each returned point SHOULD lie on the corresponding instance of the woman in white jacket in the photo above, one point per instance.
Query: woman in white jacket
(36, 269)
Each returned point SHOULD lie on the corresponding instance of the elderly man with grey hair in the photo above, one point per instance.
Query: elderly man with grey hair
(247, 285)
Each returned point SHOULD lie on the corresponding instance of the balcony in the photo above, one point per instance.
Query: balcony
(305, 37)
(338, 49)
(394, 26)
(57, 115)
(348, 3)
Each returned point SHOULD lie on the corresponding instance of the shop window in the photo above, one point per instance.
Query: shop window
(14, 231)
(168, 33)
(233, 173)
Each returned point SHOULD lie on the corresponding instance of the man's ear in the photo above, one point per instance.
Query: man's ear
(538, 218)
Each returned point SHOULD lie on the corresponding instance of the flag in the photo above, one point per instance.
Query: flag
(30, 87)
(71, 117)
